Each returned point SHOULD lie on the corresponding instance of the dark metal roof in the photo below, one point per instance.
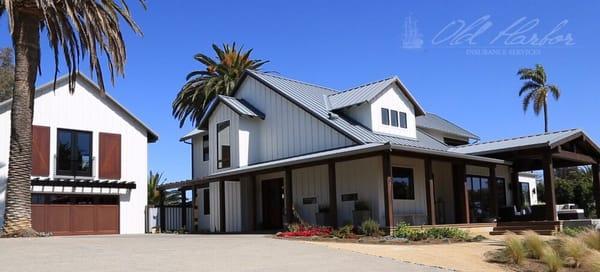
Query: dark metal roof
(367, 92)
(83, 183)
(435, 122)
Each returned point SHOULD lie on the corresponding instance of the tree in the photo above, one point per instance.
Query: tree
(575, 186)
(75, 30)
(536, 89)
(7, 73)
(219, 77)
(155, 180)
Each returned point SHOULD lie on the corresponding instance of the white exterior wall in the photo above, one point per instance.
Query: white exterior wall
(394, 99)
(287, 130)
(310, 182)
(532, 187)
(365, 178)
(414, 207)
(233, 212)
(200, 167)
(223, 113)
(85, 110)
(215, 215)
(203, 219)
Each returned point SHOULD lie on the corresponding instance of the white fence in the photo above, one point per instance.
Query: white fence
(172, 218)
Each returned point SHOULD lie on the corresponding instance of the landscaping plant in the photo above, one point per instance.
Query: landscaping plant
(574, 250)
(551, 258)
(298, 230)
(344, 232)
(370, 227)
(515, 250)
(591, 262)
(534, 244)
(591, 238)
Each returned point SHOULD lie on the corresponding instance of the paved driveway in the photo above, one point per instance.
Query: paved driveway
(185, 253)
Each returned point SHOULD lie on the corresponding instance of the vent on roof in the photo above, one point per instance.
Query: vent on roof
(332, 116)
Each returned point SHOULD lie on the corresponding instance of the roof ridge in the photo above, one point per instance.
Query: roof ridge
(521, 137)
(452, 123)
(293, 80)
(365, 84)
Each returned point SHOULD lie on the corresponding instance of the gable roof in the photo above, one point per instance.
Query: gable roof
(151, 135)
(550, 139)
(367, 92)
(435, 122)
(241, 107)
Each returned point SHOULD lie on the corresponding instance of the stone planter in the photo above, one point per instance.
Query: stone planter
(360, 216)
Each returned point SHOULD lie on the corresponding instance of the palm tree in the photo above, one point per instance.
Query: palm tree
(75, 30)
(155, 180)
(218, 78)
(536, 89)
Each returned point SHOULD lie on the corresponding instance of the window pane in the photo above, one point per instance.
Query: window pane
(403, 120)
(525, 196)
(403, 183)
(206, 195)
(205, 148)
(501, 192)
(385, 116)
(84, 152)
(223, 145)
(64, 150)
(394, 115)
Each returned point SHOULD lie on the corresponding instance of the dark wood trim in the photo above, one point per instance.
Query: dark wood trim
(573, 156)
(493, 190)
(83, 183)
(222, 214)
(183, 209)
(163, 224)
(549, 192)
(253, 199)
(440, 158)
(430, 192)
(515, 188)
(596, 186)
(288, 197)
(195, 209)
(461, 195)
(40, 151)
(388, 189)
(332, 195)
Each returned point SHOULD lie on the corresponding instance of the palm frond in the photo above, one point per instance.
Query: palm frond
(555, 91)
(528, 86)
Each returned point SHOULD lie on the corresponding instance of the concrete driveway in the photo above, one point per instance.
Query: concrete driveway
(185, 253)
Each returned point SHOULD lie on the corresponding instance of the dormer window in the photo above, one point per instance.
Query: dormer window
(393, 118)
(403, 120)
(385, 116)
(223, 145)
(394, 115)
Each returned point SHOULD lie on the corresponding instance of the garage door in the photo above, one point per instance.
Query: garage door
(75, 214)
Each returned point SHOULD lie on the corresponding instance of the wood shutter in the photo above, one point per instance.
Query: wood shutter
(110, 156)
(40, 151)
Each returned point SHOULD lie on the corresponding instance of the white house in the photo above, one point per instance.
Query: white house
(89, 161)
(278, 145)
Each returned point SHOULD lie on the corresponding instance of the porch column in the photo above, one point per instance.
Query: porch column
(222, 213)
(183, 209)
(596, 187)
(194, 209)
(515, 189)
(332, 195)
(549, 195)
(288, 197)
(388, 190)
(162, 211)
(493, 190)
(461, 194)
(430, 192)
(252, 180)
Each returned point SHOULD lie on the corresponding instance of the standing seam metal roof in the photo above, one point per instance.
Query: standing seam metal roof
(241, 106)
(435, 122)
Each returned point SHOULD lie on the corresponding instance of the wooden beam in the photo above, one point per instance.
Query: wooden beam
(195, 209)
(388, 190)
(288, 197)
(222, 214)
(163, 221)
(573, 156)
(183, 210)
(596, 187)
(549, 192)
(493, 190)
(461, 195)
(515, 189)
(332, 195)
(430, 192)
(253, 221)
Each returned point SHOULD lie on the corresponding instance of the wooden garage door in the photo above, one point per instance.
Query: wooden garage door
(74, 218)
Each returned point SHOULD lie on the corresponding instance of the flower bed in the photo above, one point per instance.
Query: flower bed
(306, 231)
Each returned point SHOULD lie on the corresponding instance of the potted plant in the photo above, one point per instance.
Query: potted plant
(361, 213)
(322, 216)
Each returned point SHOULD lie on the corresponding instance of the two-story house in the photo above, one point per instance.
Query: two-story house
(279, 148)
(89, 161)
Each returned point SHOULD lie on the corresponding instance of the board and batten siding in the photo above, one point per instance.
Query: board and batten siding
(233, 213)
(310, 182)
(87, 110)
(200, 167)
(287, 129)
(203, 219)
(223, 113)
(412, 207)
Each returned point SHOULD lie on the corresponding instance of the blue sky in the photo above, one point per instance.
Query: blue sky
(345, 43)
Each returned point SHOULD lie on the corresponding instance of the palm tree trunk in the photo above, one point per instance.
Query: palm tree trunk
(546, 117)
(26, 42)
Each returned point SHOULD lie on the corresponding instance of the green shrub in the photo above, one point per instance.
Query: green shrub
(534, 244)
(370, 227)
(591, 238)
(573, 231)
(344, 232)
(447, 233)
(551, 258)
(404, 230)
(294, 227)
(574, 250)
(515, 251)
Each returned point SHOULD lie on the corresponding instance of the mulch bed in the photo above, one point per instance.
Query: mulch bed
(371, 240)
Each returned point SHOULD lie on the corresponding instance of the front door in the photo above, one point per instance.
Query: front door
(272, 203)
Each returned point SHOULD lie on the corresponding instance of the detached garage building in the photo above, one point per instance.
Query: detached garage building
(89, 161)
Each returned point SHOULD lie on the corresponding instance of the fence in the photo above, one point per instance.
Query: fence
(172, 218)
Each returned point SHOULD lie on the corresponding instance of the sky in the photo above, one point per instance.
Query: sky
(461, 64)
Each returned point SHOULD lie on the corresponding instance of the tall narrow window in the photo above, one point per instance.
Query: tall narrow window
(223, 145)
(403, 120)
(385, 116)
(206, 201)
(205, 148)
(403, 182)
(74, 153)
(394, 118)
(501, 192)
(525, 195)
